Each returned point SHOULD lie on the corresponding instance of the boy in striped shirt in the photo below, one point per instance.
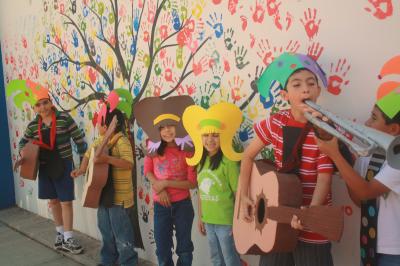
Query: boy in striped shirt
(52, 131)
(298, 76)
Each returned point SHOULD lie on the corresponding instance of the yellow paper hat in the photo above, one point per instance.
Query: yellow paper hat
(223, 118)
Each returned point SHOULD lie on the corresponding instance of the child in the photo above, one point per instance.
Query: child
(297, 74)
(52, 131)
(170, 176)
(116, 199)
(380, 234)
(217, 170)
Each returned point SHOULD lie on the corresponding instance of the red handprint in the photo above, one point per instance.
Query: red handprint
(337, 77)
(244, 22)
(232, 4)
(168, 65)
(314, 51)
(258, 13)
(310, 24)
(273, 7)
(383, 8)
(236, 85)
(292, 46)
(265, 52)
(199, 67)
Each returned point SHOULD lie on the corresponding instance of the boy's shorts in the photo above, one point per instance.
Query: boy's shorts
(61, 188)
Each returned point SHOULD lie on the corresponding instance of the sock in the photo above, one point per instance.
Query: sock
(68, 235)
(60, 229)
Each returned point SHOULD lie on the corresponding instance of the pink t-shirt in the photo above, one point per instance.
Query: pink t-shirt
(171, 166)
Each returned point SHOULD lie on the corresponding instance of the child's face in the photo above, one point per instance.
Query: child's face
(168, 133)
(301, 86)
(211, 142)
(377, 121)
(43, 107)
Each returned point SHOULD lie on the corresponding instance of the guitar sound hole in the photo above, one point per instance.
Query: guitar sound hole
(261, 211)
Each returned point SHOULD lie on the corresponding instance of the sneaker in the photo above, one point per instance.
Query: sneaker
(72, 245)
(59, 241)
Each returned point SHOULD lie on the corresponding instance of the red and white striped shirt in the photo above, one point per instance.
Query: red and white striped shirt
(313, 162)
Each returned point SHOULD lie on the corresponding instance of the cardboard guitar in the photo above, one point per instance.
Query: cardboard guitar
(97, 173)
(29, 161)
(278, 197)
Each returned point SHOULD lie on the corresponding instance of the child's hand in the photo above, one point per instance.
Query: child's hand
(101, 158)
(247, 208)
(164, 198)
(18, 163)
(296, 223)
(159, 185)
(329, 147)
(202, 228)
(77, 172)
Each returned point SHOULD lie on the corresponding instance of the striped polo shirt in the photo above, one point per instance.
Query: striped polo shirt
(122, 178)
(66, 129)
(313, 162)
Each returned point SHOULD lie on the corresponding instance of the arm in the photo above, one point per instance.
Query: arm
(322, 189)
(256, 145)
(82, 169)
(200, 223)
(361, 188)
(76, 134)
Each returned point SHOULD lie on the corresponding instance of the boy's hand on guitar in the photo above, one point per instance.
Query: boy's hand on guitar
(77, 172)
(164, 198)
(202, 228)
(247, 208)
(18, 163)
(296, 223)
(101, 158)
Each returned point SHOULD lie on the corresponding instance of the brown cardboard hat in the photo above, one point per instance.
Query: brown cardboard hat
(153, 112)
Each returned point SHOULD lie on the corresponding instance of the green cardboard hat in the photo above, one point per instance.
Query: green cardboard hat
(390, 103)
(283, 66)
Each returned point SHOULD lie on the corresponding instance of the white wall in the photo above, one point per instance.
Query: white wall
(348, 30)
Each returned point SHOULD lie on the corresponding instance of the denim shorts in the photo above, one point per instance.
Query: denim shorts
(61, 188)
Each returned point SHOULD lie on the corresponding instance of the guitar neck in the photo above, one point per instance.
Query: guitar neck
(324, 220)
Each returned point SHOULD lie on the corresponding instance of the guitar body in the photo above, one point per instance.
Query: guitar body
(267, 189)
(96, 179)
(29, 168)
(277, 198)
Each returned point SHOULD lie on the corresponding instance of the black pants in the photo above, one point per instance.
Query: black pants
(305, 254)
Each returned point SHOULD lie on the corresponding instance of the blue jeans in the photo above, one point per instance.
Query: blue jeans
(117, 236)
(222, 246)
(388, 260)
(179, 217)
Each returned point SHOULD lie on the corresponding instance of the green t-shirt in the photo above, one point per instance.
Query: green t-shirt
(216, 189)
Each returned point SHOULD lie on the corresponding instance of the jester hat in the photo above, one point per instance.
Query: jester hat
(283, 67)
(389, 104)
(26, 91)
(153, 112)
(223, 118)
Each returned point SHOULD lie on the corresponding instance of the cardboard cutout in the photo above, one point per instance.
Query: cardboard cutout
(281, 69)
(223, 118)
(153, 112)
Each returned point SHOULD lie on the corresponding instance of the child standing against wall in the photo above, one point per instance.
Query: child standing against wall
(116, 199)
(52, 131)
(376, 185)
(212, 132)
(170, 176)
(298, 76)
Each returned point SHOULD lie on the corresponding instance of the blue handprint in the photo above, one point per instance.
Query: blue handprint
(175, 20)
(69, 80)
(139, 134)
(136, 89)
(47, 37)
(85, 11)
(216, 24)
(133, 47)
(98, 87)
(98, 59)
(273, 93)
(43, 64)
(245, 133)
(75, 41)
(136, 21)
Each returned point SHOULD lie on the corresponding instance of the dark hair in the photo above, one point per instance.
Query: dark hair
(120, 120)
(161, 148)
(297, 71)
(215, 160)
(388, 120)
